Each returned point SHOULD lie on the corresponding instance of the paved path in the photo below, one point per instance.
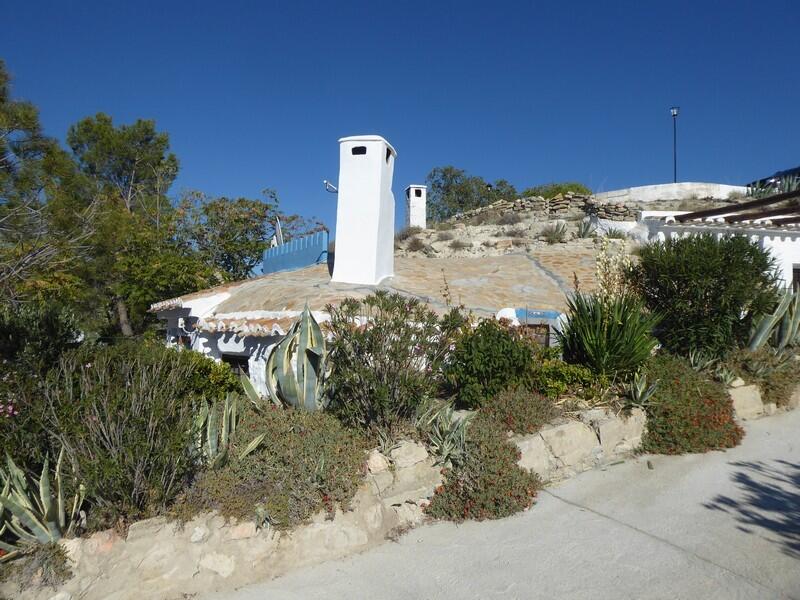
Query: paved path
(714, 526)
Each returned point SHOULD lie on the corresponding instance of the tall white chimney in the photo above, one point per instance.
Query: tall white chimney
(416, 201)
(365, 211)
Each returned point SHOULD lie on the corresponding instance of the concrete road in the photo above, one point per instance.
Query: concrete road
(722, 525)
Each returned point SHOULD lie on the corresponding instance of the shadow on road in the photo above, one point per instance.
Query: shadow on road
(769, 500)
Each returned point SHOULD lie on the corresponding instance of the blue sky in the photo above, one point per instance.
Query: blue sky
(256, 94)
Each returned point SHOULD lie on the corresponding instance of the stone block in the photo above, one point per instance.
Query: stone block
(747, 401)
(413, 483)
(794, 399)
(619, 434)
(535, 456)
(243, 531)
(572, 443)
(408, 454)
(409, 513)
(770, 408)
(221, 564)
(377, 462)
(737, 383)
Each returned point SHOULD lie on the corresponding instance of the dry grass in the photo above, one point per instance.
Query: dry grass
(460, 245)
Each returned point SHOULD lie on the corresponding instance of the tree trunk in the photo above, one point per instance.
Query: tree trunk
(124, 322)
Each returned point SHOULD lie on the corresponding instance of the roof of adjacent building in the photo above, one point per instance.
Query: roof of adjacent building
(484, 285)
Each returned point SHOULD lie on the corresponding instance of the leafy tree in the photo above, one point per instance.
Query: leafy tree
(452, 191)
(551, 190)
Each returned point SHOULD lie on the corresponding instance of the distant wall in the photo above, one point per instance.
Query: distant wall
(296, 254)
(672, 191)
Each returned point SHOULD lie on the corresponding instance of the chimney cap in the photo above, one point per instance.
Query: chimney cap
(368, 138)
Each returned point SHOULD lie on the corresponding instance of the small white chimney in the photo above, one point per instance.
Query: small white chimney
(416, 205)
(365, 211)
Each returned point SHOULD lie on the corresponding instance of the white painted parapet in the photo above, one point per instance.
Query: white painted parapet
(416, 206)
(672, 191)
(365, 211)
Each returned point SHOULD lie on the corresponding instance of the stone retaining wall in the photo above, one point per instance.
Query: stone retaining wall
(559, 207)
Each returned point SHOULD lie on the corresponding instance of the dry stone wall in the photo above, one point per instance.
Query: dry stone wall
(559, 207)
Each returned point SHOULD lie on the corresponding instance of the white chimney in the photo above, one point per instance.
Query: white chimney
(416, 201)
(365, 211)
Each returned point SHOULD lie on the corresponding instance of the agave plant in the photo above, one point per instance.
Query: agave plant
(782, 326)
(555, 233)
(215, 430)
(639, 392)
(34, 517)
(701, 361)
(296, 367)
(446, 433)
(725, 375)
(586, 229)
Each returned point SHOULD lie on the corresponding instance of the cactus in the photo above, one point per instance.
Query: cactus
(214, 441)
(781, 326)
(304, 348)
(34, 518)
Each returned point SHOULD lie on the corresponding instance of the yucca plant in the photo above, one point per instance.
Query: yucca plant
(612, 336)
(215, 429)
(297, 366)
(34, 516)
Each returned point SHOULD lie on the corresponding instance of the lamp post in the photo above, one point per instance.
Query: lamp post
(674, 112)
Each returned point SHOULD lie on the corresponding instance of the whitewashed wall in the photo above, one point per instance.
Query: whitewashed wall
(672, 191)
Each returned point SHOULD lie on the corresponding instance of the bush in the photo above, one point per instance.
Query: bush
(124, 415)
(614, 233)
(708, 290)
(385, 353)
(460, 245)
(612, 336)
(485, 361)
(520, 410)
(550, 190)
(406, 233)
(689, 412)
(486, 483)
(35, 336)
(444, 236)
(415, 245)
(553, 377)
(509, 218)
(776, 374)
(555, 233)
(309, 462)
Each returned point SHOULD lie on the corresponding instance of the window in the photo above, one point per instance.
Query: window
(238, 364)
(418, 193)
(796, 276)
(388, 154)
(359, 150)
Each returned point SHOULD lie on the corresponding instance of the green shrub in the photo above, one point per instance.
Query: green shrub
(776, 374)
(550, 190)
(384, 355)
(555, 233)
(614, 233)
(688, 412)
(553, 377)
(486, 483)
(708, 290)
(309, 462)
(35, 336)
(124, 415)
(520, 410)
(486, 360)
(612, 336)
(210, 378)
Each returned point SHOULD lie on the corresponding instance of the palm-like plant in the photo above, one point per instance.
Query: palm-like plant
(612, 336)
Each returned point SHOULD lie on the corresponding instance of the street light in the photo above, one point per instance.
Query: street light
(674, 112)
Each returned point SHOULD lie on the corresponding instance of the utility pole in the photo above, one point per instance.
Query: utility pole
(674, 112)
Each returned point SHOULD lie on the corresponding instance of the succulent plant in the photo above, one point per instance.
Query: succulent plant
(639, 392)
(446, 433)
(214, 437)
(34, 517)
(781, 327)
(296, 367)
(701, 361)
(586, 229)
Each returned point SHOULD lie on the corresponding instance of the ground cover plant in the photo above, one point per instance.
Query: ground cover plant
(307, 462)
(707, 290)
(520, 410)
(486, 482)
(688, 411)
